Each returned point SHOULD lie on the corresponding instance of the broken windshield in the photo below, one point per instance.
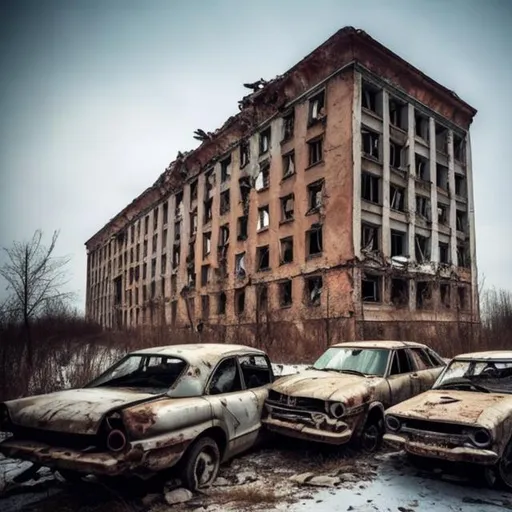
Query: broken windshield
(475, 375)
(354, 360)
(153, 373)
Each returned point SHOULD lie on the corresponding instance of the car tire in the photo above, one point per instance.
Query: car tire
(504, 468)
(370, 439)
(201, 464)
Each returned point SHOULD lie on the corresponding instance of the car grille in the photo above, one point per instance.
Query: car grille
(434, 427)
(292, 402)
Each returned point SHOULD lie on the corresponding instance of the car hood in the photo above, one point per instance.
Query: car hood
(77, 411)
(467, 407)
(327, 385)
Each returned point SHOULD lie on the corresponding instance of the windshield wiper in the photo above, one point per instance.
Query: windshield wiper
(353, 372)
(464, 383)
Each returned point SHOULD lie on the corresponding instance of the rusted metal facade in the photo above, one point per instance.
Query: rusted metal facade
(341, 190)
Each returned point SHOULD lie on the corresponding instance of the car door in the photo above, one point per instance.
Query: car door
(257, 375)
(233, 405)
(427, 368)
(403, 380)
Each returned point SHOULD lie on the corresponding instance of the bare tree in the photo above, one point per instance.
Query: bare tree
(35, 279)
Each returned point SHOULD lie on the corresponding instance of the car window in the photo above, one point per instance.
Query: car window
(226, 378)
(436, 359)
(255, 370)
(420, 359)
(401, 363)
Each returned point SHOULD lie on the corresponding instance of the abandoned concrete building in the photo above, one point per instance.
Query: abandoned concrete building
(342, 190)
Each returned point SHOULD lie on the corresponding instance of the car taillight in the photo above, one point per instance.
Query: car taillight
(116, 440)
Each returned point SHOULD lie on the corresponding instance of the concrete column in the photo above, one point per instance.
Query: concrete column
(434, 238)
(453, 203)
(411, 199)
(475, 304)
(386, 234)
(356, 151)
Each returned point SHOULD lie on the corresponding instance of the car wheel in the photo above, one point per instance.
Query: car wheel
(505, 466)
(71, 476)
(371, 436)
(201, 464)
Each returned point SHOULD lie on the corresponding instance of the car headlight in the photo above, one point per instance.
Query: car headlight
(393, 423)
(336, 409)
(481, 438)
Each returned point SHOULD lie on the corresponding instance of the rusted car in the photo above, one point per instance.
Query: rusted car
(344, 394)
(466, 417)
(190, 406)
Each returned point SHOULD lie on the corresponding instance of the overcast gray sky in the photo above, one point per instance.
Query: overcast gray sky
(97, 97)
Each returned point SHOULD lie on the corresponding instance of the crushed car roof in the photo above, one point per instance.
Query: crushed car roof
(491, 354)
(389, 344)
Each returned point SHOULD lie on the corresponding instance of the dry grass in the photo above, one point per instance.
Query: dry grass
(245, 496)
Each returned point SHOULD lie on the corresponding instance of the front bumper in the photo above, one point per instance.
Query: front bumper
(301, 431)
(431, 450)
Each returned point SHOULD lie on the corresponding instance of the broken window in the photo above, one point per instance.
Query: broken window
(176, 256)
(423, 207)
(224, 235)
(262, 258)
(370, 143)
(263, 217)
(221, 303)
(441, 139)
(174, 284)
(240, 271)
(314, 241)
(315, 194)
(205, 274)
(132, 236)
(209, 183)
(369, 98)
(207, 243)
(193, 222)
(155, 243)
(397, 198)
(287, 205)
(286, 254)
(317, 107)
(155, 218)
(421, 126)
(205, 306)
(422, 244)
(164, 264)
(462, 297)
(239, 301)
(371, 287)
(130, 274)
(245, 154)
(458, 148)
(178, 210)
(460, 185)
(262, 297)
(462, 260)
(144, 271)
(137, 273)
(444, 254)
(225, 169)
(241, 228)
(460, 220)
(131, 255)
(288, 164)
(265, 140)
(208, 211)
(442, 213)
(422, 169)
(445, 294)
(224, 202)
(423, 295)
(193, 191)
(396, 153)
(191, 277)
(397, 114)
(400, 292)
(174, 312)
(288, 126)
(164, 240)
(398, 245)
(165, 212)
(313, 290)
(146, 224)
(442, 176)
(315, 148)
(153, 289)
(144, 293)
(263, 178)
(369, 237)
(177, 231)
(370, 187)
(153, 267)
(285, 293)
